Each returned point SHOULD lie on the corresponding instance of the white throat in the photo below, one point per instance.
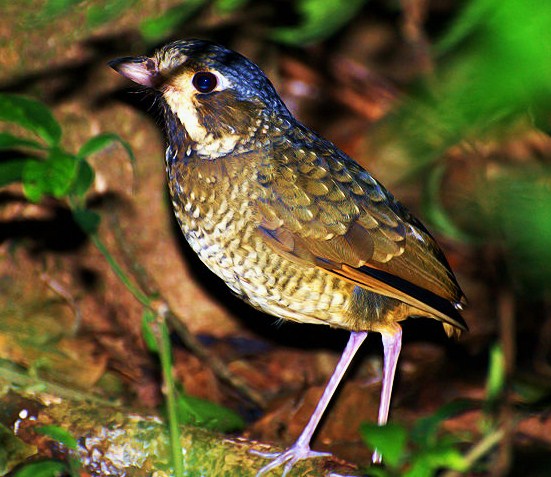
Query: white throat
(183, 104)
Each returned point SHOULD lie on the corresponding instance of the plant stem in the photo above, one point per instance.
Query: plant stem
(165, 355)
(117, 269)
(477, 451)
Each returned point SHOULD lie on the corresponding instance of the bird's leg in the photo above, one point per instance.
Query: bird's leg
(392, 344)
(301, 448)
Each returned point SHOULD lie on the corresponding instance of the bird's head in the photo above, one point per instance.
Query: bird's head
(216, 94)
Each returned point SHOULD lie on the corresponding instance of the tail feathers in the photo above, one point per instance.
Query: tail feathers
(452, 331)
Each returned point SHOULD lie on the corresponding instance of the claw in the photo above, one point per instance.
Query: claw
(289, 457)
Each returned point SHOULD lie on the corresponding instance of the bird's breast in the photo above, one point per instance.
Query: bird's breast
(216, 209)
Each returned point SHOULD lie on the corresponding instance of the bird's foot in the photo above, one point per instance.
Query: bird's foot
(288, 458)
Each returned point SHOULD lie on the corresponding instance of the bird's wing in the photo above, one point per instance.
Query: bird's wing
(323, 209)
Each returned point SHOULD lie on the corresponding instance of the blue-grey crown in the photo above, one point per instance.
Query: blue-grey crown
(248, 78)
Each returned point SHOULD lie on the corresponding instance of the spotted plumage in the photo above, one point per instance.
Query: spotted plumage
(292, 224)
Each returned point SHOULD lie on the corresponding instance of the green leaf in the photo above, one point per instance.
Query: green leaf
(419, 468)
(52, 177)
(87, 220)
(12, 170)
(84, 178)
(319, 20)
(9, 141)
(154, 29)
(33, 186)
(149, 337)
(59, 434)
(449, 458)
(62, 170)
(100, 142)
(46, 468)
(31, 115)
(427, 463)
(389, 440)
(206, 414)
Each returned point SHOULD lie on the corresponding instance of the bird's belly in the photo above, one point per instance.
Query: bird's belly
(265, 279)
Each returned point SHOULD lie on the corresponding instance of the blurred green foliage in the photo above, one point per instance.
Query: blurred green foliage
(503, 58)
(53, 9)
(97, 15)
(424, 450)
(228, 6)
(495, 381)
(155, 29)
(319, 20)
(433, 208)
(521, 223)
(421, 451)
(492, 72)
(492, 66)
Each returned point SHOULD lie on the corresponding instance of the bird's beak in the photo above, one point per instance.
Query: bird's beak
(141, 70)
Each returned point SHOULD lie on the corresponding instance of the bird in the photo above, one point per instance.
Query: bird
(292, 225)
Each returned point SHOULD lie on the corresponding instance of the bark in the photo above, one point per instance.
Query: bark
(115, 441)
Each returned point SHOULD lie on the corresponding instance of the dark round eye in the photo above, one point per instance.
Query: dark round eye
(204, 82)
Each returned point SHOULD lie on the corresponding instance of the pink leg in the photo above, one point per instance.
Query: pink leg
(392, 344)
(301, 448)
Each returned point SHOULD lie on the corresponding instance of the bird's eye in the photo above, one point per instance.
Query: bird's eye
(204, 82)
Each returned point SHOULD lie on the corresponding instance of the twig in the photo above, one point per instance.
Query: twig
(507, 332)
(414, 13)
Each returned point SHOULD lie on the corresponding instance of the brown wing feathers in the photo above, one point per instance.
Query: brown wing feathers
(358, 232)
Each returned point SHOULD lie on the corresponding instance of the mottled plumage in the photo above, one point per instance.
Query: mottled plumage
(291, 223)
